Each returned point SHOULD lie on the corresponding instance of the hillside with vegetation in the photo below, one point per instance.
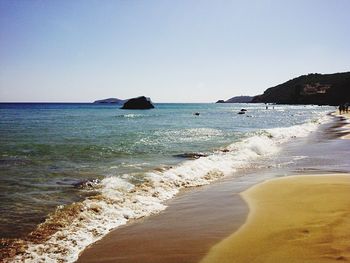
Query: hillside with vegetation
(320, 89)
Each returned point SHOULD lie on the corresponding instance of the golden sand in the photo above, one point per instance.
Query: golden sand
(294, 219)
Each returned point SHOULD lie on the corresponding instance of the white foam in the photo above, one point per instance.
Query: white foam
(130, 116)
(121, 200)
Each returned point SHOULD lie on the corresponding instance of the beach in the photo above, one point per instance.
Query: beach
(302, 218)
(306, 212)
(171, 206)
(140, 131)
(184, 232)
(293, 219)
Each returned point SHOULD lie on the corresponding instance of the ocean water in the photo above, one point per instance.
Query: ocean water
(80, 170)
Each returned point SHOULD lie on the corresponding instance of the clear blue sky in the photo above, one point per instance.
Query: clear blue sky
(171, 51)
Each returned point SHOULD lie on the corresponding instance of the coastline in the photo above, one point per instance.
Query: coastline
(145, 240)
(292, 219)
(252, 155)
(122, 203)
(300, 218)
(184, 232)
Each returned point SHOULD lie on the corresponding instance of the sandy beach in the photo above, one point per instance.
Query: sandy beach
(184, 232)
(293, 219)
(154, 131)
(204, 223)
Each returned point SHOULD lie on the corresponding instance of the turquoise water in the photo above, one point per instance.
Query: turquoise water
(47, 149)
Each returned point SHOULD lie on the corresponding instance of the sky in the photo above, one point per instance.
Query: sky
(171, 51)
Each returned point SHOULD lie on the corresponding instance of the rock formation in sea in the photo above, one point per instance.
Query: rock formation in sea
(139, 103)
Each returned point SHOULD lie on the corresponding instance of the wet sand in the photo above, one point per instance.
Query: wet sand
(194, 221)
(346, 128)
(293, 219)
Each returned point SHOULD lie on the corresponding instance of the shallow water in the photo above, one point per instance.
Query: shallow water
(47, 149)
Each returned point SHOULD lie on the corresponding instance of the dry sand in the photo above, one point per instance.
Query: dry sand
(293, 219)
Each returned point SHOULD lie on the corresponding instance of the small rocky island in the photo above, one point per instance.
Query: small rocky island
(139, 103)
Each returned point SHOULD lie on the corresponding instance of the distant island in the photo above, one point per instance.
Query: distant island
(111, 101)
(319, 89)
(314, 88)
(237, 99)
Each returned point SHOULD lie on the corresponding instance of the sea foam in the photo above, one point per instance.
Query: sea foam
(121, 200)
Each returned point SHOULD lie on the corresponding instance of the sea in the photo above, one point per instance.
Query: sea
(71, 172)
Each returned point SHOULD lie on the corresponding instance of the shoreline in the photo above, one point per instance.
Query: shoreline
(292, 219)
(121, 202)
(202, 247)
(194, 221)
(151, 242)
(346, 128)
(184, 232)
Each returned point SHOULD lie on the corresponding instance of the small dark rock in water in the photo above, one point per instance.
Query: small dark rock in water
(196, 113)
(88, 183)
(241, 112)
(139, 103)
(220, 101)
(191, 155)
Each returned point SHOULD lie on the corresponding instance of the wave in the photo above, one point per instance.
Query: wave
(130, 116)
(72, 228)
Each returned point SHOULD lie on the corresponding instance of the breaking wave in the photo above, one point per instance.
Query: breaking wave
(130, 116)
(72, 228)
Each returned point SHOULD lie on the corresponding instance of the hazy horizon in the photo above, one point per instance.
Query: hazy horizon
(170, 51)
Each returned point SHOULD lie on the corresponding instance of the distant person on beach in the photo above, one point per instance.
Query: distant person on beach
(346, 107)
(340, 108)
